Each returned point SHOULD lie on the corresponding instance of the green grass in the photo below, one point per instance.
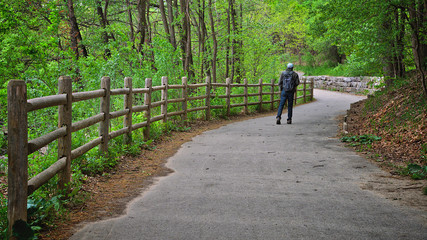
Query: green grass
(324, 70)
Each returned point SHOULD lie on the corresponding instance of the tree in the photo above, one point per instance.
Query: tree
(102, 13)
(214, 42)
(418, 21)
(132, 32)
(172, 24)
(75, 35)
(186, 39)
(142, 29)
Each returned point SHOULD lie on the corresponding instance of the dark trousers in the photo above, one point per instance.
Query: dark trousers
(283, 97)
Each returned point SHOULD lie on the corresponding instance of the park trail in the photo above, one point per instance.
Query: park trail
(258, 180)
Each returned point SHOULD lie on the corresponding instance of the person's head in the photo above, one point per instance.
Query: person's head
(290, 66)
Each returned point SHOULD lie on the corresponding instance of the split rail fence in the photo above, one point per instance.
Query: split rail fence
(19, 147)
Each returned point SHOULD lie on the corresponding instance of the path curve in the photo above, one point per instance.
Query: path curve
(258, 180)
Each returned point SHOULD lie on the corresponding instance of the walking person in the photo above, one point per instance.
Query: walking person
(288, 83)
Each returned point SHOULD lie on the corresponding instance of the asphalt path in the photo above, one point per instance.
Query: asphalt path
(258, 180)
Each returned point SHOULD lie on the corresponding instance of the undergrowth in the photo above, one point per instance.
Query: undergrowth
(393, 128)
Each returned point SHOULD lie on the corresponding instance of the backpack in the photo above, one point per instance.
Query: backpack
(288, 84)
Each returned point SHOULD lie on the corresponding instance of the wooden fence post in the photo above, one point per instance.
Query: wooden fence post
(164, 107)
(295, 97)
(305, 82)
(245, 81)
(208, 99)
(260, 94)
(65, 120)
(17, 152)
(228, 93)
(147, 102)
(312, 89)
(127, 121)
(185, 96)
(272, 95)
(105, 109)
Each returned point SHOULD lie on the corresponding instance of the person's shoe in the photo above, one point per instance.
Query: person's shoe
(278, 121)
(289, 121)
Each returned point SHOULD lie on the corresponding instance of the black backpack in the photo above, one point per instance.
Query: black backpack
(288, 84)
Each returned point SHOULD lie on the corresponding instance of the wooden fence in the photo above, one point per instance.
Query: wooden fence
(19, 147)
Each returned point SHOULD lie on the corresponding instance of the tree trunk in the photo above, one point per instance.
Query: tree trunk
(150, 33)
(186, 39)
(204, 68)
(182, 36)
(235, 60)
(227, 54)
(417, 11)
(215, 43)
(165, 19)
(394, 34)
(103, 22)
(149, 38)
(132, 33)
(241, 54)
(141, 30)
(75, 35)
(400, 43)
(171, 25)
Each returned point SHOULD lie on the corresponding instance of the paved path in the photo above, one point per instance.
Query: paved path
(258, 180)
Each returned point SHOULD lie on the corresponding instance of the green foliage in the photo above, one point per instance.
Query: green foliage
(361, 37)
(3, 216)
(41, 212)
(23, 231)
(415, 171)
(424, 152)
(323, 70)
(365, 139)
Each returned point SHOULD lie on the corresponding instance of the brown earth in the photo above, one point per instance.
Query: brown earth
(108, 195)
(392, 153)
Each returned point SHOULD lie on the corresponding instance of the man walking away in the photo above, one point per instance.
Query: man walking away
(288, 83)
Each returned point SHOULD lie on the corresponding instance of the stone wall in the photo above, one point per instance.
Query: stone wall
(346, 84)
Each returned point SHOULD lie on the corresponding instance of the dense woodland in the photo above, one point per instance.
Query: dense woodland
(44, 39)
(41, 40)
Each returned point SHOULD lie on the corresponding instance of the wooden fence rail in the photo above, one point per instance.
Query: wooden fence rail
(19, 147)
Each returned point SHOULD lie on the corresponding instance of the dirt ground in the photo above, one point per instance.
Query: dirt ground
(388, 156)
(107, 196)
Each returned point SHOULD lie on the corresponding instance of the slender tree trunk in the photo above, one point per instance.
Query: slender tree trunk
(241, 55)
(150, 36)
(186, 39)
(165, 20)
(417, 13)
(391, 36)
(171, 25)
(227, 49)
(400, 47)
(75, 35)
(150, 31)
(181, 31)
(142, 30)
(204, 67)
(215, 43)
(132, 33)
(235, 60)
(103, 23)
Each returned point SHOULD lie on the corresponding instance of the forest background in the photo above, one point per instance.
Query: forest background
(41, 40)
